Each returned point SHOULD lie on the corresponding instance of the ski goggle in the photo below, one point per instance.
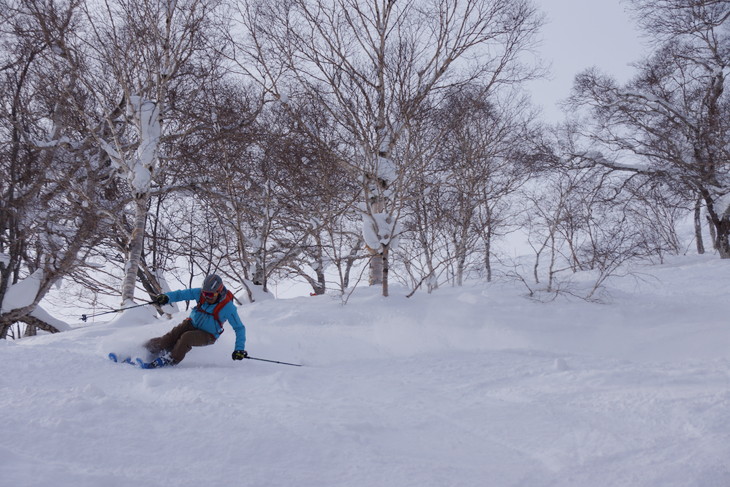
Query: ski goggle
(209, 294)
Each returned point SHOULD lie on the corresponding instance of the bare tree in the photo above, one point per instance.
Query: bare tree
(373, 65)
(591, 220)
(137, 60)
(672, 120)
(55, 201)
(486, 158)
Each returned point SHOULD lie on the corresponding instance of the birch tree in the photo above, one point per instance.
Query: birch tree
(141, 58)
(486, 158)
(54, 206)
(373, 65)
(672, 121)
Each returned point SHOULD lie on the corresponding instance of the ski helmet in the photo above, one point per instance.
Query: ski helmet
(213, 284)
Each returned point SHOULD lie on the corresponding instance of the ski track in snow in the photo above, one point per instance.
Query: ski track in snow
(466, 387)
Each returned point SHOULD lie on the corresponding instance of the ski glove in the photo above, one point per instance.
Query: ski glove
(239, 355)
(161, 299)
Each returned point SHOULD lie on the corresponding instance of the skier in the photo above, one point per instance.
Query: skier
(202, 327)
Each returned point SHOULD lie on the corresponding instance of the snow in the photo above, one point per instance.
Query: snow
(147, 112)
(22, 293)
(386, 169)
(40, 313)
(466, 386)
(379, 229)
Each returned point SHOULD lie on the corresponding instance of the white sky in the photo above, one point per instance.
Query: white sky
(579, 34)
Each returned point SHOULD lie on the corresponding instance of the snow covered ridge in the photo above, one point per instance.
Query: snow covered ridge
(23, 293)
(467, 386)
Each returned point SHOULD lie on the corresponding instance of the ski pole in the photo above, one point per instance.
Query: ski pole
(273, 361)
(85, 317)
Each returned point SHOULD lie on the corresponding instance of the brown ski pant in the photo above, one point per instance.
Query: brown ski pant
(180, 340)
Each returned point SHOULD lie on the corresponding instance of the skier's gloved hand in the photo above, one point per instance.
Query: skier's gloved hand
(239, 355)
(161, 299)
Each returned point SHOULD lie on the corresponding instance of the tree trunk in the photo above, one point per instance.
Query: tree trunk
(460, 266)
(23, 315)
(379, 269)
(488, 255)
(134, 250)
(386, 269)
(720, 223)
(376, 268)
(698, 227)
(723, 238)
(321, 286)
(349, 262)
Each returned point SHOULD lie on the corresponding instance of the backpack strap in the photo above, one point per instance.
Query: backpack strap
(218, 307)
(221, 304)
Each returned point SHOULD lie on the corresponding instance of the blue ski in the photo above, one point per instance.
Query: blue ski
(138, 362)
(156, 363)
(116, 358)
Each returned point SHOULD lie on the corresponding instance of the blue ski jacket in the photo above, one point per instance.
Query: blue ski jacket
(205, 320)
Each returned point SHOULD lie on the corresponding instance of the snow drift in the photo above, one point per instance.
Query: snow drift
(464, 387)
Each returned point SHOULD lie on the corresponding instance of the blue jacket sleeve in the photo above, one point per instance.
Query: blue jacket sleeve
(184, 295)
(235, 321)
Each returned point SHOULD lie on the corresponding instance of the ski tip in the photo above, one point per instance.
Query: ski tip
(116, 359)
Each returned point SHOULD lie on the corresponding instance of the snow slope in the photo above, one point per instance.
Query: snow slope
(473, 386)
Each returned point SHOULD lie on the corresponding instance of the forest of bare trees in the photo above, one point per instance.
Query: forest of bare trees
(146, 143)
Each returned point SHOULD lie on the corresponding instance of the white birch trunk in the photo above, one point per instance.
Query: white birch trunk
(134, 251)
(147, 118)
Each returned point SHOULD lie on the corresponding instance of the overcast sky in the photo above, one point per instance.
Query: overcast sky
(579, 34)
